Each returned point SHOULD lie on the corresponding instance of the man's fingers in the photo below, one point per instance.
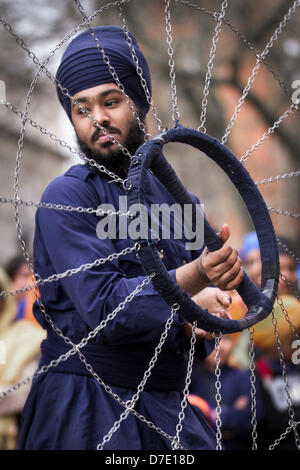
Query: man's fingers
(225, 314)
(235, 282)
(224, 298)
(215, 258)
(222, 268)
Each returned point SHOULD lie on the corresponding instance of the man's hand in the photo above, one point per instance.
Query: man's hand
(216, 302)
(223, 267)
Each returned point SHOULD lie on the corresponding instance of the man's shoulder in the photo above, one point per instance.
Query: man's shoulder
(71, 183)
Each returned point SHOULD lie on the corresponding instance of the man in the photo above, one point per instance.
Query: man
(67, 408)
(250, 255)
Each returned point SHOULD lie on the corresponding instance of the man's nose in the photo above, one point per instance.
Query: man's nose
(101, 116)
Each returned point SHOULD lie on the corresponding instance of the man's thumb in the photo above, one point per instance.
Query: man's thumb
(225, 233)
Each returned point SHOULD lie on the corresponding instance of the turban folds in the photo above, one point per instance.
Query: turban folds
(82, 66)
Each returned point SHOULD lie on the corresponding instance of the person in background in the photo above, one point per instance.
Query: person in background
(268, 366)
(287, 287)
(236, 397)
(250, 255)
(20, 350)
(269, 369)
(21, 276)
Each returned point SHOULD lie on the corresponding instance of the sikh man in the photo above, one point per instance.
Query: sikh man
(67, 408)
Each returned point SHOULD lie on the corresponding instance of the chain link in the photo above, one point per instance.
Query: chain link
(175, 113)
(92, 334)
(62, 207)
(22, 243)
(210, 66)
(139, 71)
(64, 144)
(273, 179)
(285, 379)
(286, 248)
(131, 403)
(184, 402)
(255, 70)
(290, 286)
(270, 131)
(253, 390)
(84, 341)
(284, 212)
(218, 396)
(248, 43)
(42, 68)
(70, 272)
(16, 202)
(286, 315)
(284, 434)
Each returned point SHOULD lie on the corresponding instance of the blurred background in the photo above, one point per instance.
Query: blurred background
(42, 24)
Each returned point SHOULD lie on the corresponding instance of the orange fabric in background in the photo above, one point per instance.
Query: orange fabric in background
(195, 400)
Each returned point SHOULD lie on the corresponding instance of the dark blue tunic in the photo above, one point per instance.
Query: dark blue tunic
(67, 408)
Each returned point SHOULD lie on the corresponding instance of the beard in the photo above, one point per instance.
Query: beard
(115, 161)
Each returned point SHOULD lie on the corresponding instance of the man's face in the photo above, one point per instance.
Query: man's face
(253, 266)
(288, 267)
(107, 104)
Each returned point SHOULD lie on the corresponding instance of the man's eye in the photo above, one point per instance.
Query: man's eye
(82, 111)
(111, 103)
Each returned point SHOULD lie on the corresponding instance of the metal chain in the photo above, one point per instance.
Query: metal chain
(285, 379)
(218, 396)
(255, 70)
(273, 179)
(42, 68)
(20, 143)
(210, 66)
(286, 248)
(84, 341)
(139, 71)
(184, 402)
(92, 334)
(61, 207)
(114, 75)
(64, 144)
(175, 113)
(284, 212)
(270, 131)
(70, 272)
(131, 403)
(286, 315)
(290, 286)
(142, 418)
(16, 180)
(284, 434)
(253, 389)
(241, 36)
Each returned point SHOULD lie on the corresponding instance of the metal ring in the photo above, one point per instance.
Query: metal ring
(127, 185)
(259, 301)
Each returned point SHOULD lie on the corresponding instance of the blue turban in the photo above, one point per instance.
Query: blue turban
(250, 243)
(82, 66)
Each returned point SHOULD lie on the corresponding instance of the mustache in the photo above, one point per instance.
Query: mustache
(109, 129)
